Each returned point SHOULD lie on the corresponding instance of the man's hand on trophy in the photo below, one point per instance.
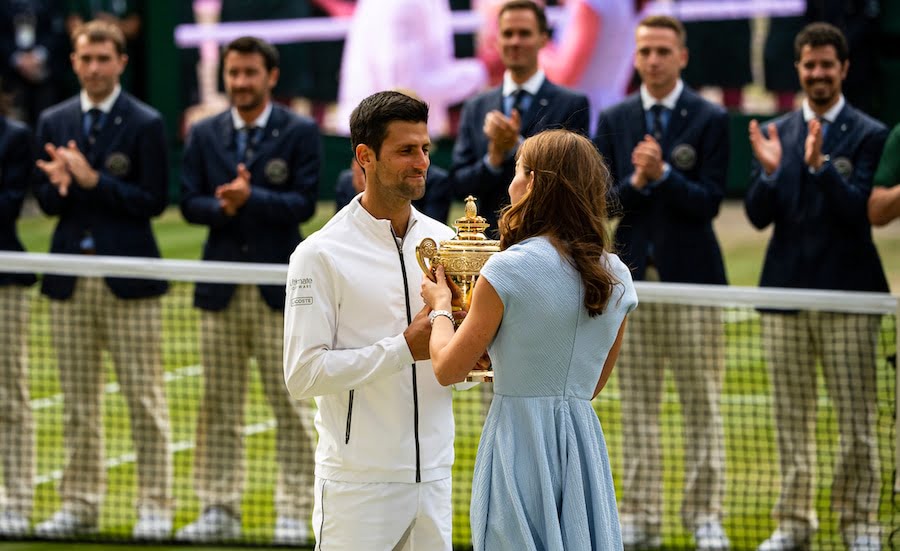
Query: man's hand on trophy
(459, 316)
(418, 334)
(484, 363)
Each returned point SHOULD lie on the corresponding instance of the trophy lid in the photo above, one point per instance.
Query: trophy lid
(470, 227)
(466, 253)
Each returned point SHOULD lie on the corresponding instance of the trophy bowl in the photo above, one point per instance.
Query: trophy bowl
(462, 258)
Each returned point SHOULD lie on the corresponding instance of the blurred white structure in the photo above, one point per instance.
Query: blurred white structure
(592, 51)
(405, 44)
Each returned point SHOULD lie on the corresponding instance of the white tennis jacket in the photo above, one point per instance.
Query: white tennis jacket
(352, 290)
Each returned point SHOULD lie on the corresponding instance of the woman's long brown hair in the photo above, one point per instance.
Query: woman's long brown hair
(567, 204)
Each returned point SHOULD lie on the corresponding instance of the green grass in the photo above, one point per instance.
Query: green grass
(751, 457)
(176, 238)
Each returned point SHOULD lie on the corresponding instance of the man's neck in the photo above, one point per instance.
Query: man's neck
(521, 77)
(97, 100)
(821, 109)
(660, 93)
(249, 116)
(381, 208)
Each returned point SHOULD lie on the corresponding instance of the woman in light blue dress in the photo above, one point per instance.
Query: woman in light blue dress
(550, 309)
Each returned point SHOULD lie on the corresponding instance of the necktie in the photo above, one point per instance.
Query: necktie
(520, 101)
(825, 124)
(247, 140)
(93, 122)
(656, 111)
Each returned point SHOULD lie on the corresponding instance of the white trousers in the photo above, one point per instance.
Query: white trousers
(383, 516)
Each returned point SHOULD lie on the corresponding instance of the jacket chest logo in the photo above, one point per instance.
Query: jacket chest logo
(117, 164)
(276, 171)
(684, 156)
(844, 167)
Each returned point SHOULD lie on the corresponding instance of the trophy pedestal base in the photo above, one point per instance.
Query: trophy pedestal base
(480, 376)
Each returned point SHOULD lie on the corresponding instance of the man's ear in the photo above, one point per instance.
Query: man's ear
(364, 155)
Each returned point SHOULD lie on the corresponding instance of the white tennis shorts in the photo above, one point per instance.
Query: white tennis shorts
(388, 516)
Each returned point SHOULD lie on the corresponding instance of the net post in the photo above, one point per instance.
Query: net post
(897, 400)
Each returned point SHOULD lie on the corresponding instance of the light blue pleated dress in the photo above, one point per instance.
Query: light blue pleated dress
(542, 477)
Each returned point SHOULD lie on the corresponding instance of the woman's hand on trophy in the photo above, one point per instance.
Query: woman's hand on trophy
(437, 294)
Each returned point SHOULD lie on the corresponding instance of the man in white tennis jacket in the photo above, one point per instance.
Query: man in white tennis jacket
(356, 338)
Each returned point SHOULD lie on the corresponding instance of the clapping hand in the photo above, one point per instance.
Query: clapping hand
(766, 150)
(65, 165)
(56, 170)
(502, 133)
(79, 167)
(233, 195)
(812, 150)
(648, 162)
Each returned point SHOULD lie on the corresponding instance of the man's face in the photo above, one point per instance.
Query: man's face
(821, 74)
(659, 57)
(247, 82)
(98, 67)
(520, 40)
(400, 167)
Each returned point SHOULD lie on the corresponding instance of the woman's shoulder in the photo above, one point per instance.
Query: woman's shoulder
(533, 249)
(617, 266)
(538, 242)
(525, 260)
(626, 292)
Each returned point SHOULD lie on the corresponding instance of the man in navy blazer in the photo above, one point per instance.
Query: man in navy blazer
(16, 421)
(495, 122)
(103, 171)
(667, 151)
(811, 179)
(251, 174)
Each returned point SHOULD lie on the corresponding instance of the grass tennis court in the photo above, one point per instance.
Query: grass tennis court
(751, 459)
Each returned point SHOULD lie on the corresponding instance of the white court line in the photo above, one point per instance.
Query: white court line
(124, 459)
(112, 388)
(726, 400)
(181, 446)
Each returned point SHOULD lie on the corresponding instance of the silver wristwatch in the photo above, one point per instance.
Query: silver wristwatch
(435, 313)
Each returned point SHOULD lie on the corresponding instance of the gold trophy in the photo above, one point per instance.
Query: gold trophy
(462, 258)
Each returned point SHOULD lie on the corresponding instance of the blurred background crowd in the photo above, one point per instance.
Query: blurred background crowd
(334, 52)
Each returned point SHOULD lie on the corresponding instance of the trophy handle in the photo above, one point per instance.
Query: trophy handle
(426, 249)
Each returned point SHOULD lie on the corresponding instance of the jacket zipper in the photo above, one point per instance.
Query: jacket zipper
(349, 417)
(414, 380)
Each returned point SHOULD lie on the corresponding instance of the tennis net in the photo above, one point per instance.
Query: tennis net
(717, 352)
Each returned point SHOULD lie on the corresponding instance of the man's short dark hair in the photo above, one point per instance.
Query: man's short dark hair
(665, 22)
(98, 31)
(369, 121)
(819, 34)
(527, 5)
(254, 45)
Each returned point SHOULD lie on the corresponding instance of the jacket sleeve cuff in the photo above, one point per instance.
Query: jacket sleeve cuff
(400, 349)
(769, 179)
